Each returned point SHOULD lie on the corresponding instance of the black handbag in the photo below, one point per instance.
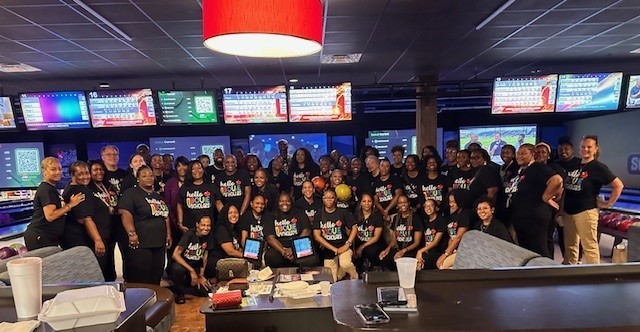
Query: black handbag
(231, 268)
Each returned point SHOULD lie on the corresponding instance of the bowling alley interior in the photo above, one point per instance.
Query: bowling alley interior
(342, 165)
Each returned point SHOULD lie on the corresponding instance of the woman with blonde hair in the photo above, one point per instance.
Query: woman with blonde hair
(49, 209)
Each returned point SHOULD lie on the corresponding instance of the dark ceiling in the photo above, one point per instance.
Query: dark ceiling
(400, 40)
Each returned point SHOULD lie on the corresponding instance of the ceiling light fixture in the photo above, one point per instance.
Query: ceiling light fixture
(17, 68)
(293, 80)
(636, 51)
(103, 19)
(494, 14)
(263, 28)
(104, 85)
(340, 58)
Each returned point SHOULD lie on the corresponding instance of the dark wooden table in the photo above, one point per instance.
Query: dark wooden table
(592, 298)
(137, 300)
(283, 314)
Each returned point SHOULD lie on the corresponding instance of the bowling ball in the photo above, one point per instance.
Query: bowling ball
(319, 183)
(343, 192)
(6, 252)
(624, 226)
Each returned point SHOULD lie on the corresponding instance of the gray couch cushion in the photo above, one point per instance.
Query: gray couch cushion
(478, 250)
(633, 250)
(541, 261)
(71, 266)
(42, 252)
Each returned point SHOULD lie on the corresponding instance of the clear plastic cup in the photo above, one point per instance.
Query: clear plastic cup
(407, 271)
(325, 286)
(25, 275)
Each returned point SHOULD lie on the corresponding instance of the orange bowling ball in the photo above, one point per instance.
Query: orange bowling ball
(319, 183)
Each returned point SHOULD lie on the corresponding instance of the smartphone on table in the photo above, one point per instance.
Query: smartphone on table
(371, 313)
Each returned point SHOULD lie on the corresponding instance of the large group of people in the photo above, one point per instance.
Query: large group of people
(198, 212)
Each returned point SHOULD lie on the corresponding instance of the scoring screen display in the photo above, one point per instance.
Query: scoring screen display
(589, 92)
(7, 119)
(190, 147)
(122, 108)
(55, 110)
(255, 105)
(320, 103)
(533, 94)
(188, 107)
(21, 164)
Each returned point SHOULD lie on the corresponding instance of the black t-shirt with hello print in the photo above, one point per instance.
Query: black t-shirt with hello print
(197, 200)
(287, 226)
(334, 225)
(232, 187)
(404, 231)
(431, 228)
(367, 227)
(149, 213)
(195, 246)
(582, 185)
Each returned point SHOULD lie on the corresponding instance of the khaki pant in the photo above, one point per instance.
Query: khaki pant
(342, 264)
(448, 262)
(581, 229)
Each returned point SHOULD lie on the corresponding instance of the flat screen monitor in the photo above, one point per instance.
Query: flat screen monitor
(589, 92)
(21, 165)
(190, 147)
(266, 146)
(67, 154)
(7, 118)
(55, 110)
(125, 151)
(302, 247)
(320, 103)
(528, 94)
(122, 108)
(493, 138)
(255, 104)
(633, 93)
(385, 140)
(188, 107)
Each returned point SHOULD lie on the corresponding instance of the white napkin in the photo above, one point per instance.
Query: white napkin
(25, 326)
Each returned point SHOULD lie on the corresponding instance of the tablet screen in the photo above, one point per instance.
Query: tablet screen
(252, 249)
(303, 247)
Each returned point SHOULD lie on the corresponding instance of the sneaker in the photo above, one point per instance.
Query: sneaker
(180, 299)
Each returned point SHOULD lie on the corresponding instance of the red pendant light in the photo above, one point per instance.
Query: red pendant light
(263, 28)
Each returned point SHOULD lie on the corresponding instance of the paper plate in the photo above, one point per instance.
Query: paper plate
(293, 285)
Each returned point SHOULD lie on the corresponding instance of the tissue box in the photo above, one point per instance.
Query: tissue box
(83, 307)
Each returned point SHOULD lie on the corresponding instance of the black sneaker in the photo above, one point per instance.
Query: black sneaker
(180, 299)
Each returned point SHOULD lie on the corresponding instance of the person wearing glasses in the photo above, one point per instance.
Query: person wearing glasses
(581, 203)
(113, 174)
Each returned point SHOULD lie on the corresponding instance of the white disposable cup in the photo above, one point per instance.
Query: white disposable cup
(25, 275)
(324, 288)
(407, 271)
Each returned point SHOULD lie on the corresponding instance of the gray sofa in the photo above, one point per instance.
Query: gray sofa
(478, 250)
(78, 265)
(633, 249)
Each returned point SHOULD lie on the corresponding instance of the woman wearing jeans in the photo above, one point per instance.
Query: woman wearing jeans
(582, 186)
(330, 231)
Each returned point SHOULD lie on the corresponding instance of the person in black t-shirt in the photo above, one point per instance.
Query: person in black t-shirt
(434, 185)
(372, 164)
(398, 167)
(485, 209)
(113, 175)
(196, 198)
(106, 203)
(486, 181)
(252, 164)
(263, 187)
(369, 242)
(336, 180)
(434, 239)
(301, 169)
(459, 177)
(253, 221)
(130, 180)
(325, 164)
(344, 165)
(458, 224)
(451, 154)
(532, 192)
(226, 238)
(233, 185)
(49, 209)
(413, 181)
(387, 189)
(309, 203)
(287, 224)
(145, 217)
(277, 175)
(507, 171)
(566, 160)
(407, 235)
(190, 259)
(335, 230)
(157, 165)
(360, 182)
(217, 167)
(542, 155)
(580, 217)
